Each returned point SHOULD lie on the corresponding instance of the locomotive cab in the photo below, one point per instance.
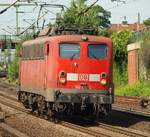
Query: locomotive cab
(85, 73)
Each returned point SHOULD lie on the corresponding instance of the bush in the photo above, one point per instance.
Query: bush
(139, 89)
(13, 68)
(120, 79)
(145, 52)
(120, 41)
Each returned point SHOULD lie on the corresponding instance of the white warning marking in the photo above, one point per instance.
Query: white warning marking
(94, 77)
(72, 76)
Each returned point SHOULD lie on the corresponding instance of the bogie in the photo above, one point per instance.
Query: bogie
(54, 110)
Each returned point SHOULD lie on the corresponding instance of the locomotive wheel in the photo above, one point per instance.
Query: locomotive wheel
(33, 107)
(56, 118)
(19, 95)
(50, 115)
(41, 105)
(26, 104)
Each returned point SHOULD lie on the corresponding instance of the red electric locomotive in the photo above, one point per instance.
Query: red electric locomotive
(70, 74)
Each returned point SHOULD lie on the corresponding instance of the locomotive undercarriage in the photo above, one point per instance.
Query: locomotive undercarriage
(53, 110)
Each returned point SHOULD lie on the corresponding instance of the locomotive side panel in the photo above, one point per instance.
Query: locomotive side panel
(52, 63)
(32, 69)
(32, 78)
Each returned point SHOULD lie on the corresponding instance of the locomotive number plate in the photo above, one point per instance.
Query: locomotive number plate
(83, 77)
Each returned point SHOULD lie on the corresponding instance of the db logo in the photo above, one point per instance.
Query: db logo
(83, 77)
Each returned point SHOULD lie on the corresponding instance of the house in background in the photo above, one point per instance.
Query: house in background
(124, 25)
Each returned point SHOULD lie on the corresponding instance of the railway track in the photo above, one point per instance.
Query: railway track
(122, 104)
(11, 132)
(122, 131)
(134, 105)
(104, 130)
(143, 102)
(7, 130)
(131, 110)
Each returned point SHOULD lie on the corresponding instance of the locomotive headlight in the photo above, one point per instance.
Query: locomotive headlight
(103, 74)
(62, 80)
(62, 77)
(104, 82)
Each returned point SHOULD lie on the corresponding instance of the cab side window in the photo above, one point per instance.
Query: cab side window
(33, 52)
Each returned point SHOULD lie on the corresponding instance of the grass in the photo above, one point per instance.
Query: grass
(141, 88)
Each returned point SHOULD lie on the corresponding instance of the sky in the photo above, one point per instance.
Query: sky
(118, 10)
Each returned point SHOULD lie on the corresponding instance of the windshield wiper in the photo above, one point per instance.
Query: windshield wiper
(94, 56)
(73, 55)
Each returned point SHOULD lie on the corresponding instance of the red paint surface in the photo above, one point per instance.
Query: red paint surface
(42, 74)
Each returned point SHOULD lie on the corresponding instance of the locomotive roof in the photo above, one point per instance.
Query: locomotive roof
(66, 38)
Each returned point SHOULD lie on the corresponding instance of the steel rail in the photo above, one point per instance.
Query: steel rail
(123, 131)
(133, 111)
(12, 131)
(130, 98)
(84, 130)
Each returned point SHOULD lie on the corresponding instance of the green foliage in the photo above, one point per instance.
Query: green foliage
(147, 22)
(145, 40)
(119, 79)
(139, 89)
(13, 68)
(105, 32)
(145, 51)
(78, 15)
(120, 41)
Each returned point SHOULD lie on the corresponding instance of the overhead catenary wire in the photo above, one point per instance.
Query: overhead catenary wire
(4, 10)
(43, 6)
(49, 11)
(7, 31)
(32, 24)
(119, 5)
(88, 8)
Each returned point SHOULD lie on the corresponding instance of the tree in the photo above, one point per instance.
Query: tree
(145, 53)
(80, 15)
(147, 22)
(121, 40)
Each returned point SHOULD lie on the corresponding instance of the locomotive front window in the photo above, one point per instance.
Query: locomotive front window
(70, 50)
(97, 51)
